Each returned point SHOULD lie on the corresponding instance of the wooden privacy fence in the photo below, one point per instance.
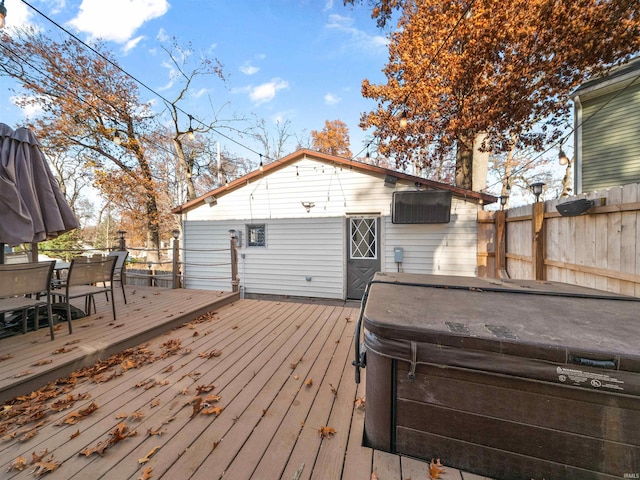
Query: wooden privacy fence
(600, 249)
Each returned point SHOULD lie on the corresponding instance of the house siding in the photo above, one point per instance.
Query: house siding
(305, 252)
(610, 149)
(439, 249)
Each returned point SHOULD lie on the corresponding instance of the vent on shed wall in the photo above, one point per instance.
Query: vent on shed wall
(421, 207)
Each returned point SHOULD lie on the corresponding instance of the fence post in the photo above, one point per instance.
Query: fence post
(235, 281)
(501, 245)
(538, 234)
(176, 259)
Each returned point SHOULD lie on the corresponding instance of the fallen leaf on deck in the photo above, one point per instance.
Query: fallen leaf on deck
(211, 398)
(435, 469)
(146, 474)
(42, 468)
(204, 388)
(154, 403)
(75, 417)
(374, 476)
(63, 350)
(359, 403)
(73, 342)
(136, 416)
(169, 369)
(38, 458)
(42, 362)
(326, 431)
(334, 390)
(19, 464)
(157, 431)
(197, 406)
(74, 435)
(6, 357)
(309, 382)
(213, 410)
(23, 374)
(149, 455)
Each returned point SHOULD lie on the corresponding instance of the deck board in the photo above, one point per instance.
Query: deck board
(268, 428)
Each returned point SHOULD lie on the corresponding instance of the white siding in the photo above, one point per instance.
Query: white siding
(302, 257)
(303, 244)
(280, 194)
(439, 249)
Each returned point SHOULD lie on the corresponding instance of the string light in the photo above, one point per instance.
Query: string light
(261, 164)
(190, 132)
(117, 139)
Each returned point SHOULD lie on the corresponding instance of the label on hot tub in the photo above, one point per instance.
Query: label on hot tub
(588, 379)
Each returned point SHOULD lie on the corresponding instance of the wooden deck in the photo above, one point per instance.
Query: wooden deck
(282, 371)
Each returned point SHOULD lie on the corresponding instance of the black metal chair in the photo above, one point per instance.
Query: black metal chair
(24, 286)
(82, 281)
(118, 273)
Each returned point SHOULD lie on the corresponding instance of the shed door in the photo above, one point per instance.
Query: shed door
(363, 254)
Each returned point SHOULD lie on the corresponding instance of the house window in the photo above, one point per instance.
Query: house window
(256, 235)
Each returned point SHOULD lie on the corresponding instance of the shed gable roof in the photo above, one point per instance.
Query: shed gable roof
(338, 161)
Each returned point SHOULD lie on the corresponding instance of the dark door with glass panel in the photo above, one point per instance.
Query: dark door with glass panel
(363, 254)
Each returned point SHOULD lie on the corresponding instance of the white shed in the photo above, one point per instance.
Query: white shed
(315, 225)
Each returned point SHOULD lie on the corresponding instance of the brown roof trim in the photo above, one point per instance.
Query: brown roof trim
(283, 162)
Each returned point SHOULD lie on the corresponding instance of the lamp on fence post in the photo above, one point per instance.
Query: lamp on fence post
(503, 201)
(122, 246)
(536, 188)
(176, 258)
(235, 281)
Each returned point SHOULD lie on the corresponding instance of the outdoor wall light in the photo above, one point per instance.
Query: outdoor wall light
(308, 205)
(176, 233)
(536, 188)
(3, 14)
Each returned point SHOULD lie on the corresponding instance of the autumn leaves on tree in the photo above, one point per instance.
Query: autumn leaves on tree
(505, 69)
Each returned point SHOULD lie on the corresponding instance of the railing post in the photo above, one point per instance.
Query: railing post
(501, 244)
(235, 281)
(176, 259)
(537, 246)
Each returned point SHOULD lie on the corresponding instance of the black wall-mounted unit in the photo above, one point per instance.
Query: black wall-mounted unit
(430, 206)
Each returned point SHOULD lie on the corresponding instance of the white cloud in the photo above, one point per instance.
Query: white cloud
(267, 91)
(328, 5)
(162, 36)
(31, 110)
(199, 93)
(249, 69)
(116, 20)
(131, 44)
(357, 37)
(331, 99)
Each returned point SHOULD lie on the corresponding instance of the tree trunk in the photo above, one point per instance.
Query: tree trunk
(464, 164)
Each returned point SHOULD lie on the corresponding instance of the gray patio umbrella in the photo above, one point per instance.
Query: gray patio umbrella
(32, 207)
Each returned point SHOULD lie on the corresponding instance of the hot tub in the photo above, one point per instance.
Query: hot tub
(507, 379)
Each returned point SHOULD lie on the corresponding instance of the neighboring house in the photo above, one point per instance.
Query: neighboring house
(607, 138)
(316, 225)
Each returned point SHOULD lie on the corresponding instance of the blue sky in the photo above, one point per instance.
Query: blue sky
(296, 60)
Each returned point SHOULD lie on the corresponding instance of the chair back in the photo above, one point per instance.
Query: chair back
(121, 258)
(25, 278)
(89, 271)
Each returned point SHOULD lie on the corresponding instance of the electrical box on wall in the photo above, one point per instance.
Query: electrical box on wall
(398, 254)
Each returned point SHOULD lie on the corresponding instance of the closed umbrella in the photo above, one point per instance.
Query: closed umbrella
(32, 207)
